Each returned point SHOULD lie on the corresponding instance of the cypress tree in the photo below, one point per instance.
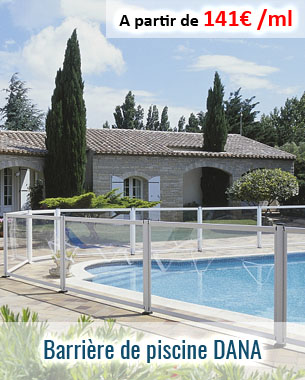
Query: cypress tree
(139, 116)
(66, 128)
(165, 124)
(155, 119)
(215, 131)
(181, 124)
(149, 121)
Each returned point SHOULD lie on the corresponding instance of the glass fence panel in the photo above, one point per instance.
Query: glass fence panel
(292, 217)
(229, 280)
(17, 244)
(229, 216)
(296, 284)
(102, 262)
(31, 249)
(157, 214)
(42, 238)
(110, 214)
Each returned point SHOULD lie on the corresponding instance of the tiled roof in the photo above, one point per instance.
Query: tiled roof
(148, 143)
(151, 143)
(25, 143)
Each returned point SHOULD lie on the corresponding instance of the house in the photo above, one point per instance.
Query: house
(151, 165)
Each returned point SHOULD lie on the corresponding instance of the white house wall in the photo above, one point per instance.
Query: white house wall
(192, 186)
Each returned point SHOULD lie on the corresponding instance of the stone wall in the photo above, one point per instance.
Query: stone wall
(171, 170)
(31, 162)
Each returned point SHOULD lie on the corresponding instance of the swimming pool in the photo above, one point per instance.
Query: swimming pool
(243, 284)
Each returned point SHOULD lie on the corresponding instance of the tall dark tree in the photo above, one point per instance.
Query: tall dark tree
(201, 119)
(215, 134)
(139, 117)
(238, 110)
(193, 124)
(152, 123)
(66, 128)
(181, 124)
(125, 114)
(19, 112)
(106, 125)
(118, 117)
(155, 118)
(284, 125)
(149, 120)
(165, 124)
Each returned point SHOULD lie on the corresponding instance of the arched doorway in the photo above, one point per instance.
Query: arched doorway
(205, 186)
(214, 183)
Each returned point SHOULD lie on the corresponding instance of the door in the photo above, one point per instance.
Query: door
(154, 196)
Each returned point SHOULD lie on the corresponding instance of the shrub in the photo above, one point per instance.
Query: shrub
(79, 201)
(90, 200)
(36, 195)
(264, 185)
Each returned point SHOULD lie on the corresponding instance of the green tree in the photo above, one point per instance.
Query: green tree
(193, 124)
(139, 116)
(118, 117)
(236, 109)
(149, 121)
(267, 129)
(124, 115)
(264, 185)
(181, 124)
(165, 124)
(106, 125)
(152, 123)
(215, 131)
(19, 112)
(285, 124)
(299, 169)
(66, 128)
(201, 118)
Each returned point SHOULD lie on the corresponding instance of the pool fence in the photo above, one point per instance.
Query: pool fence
(27, 225)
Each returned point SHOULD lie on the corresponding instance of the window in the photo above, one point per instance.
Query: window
(133, 188)
(8, 187)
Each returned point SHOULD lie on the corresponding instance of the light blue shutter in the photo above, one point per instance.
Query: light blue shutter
(117, 183)
(154, 196)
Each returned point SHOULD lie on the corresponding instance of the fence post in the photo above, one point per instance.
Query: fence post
(280, 284)
(62, 242)
(29, 238)
(5, 247)
(199, 230)
(132, 217)
(57, 213)
(259, 224)
(147, 267)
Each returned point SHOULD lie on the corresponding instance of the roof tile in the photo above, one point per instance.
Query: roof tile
(134, 142)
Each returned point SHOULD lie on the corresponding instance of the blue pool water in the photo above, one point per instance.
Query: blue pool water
(243, 284)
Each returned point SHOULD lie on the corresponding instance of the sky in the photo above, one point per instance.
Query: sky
(173, 72)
